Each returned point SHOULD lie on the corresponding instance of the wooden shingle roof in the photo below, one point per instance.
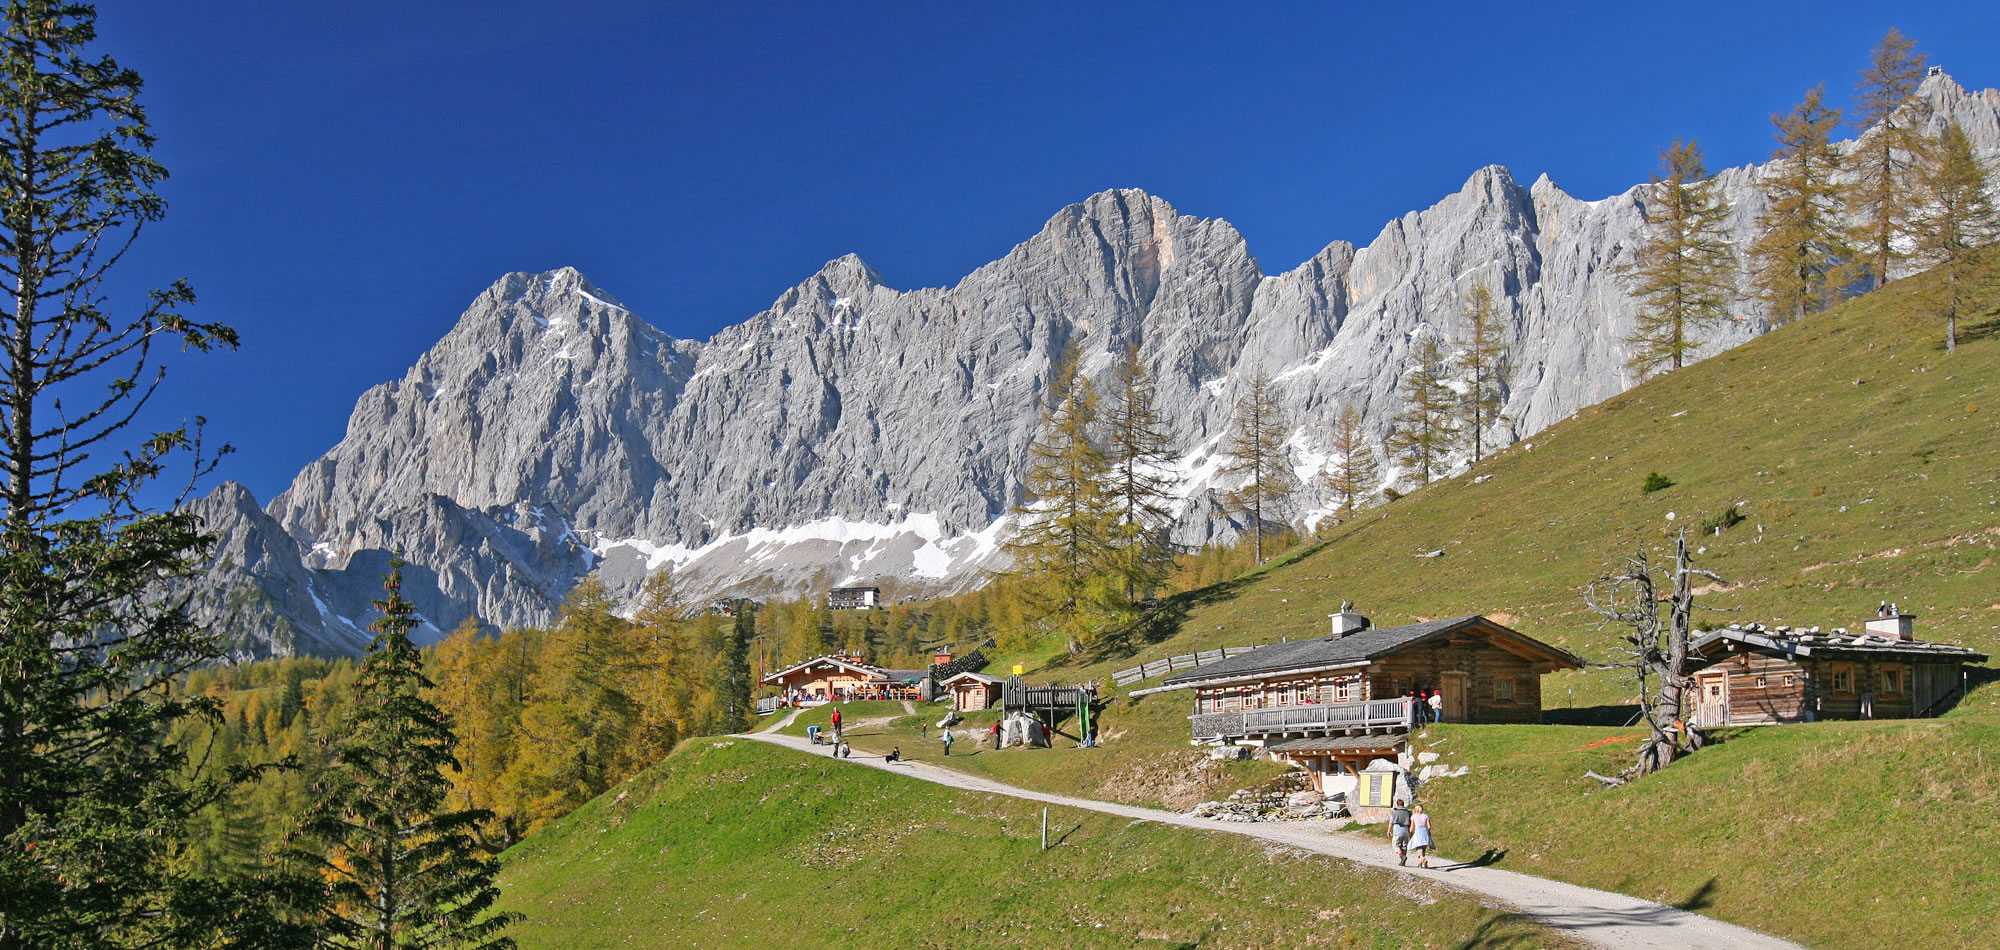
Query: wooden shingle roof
(1357, 649)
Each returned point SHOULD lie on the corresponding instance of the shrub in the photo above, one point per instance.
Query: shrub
(1654, 482)
(1716, 524)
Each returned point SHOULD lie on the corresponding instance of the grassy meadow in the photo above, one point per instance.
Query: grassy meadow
(733, 843)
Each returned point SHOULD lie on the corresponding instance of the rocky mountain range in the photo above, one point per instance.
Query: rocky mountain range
(856, 433)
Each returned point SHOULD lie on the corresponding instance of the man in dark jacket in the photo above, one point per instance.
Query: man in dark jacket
(1399, 830)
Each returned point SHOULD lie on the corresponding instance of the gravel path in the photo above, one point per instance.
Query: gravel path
(1597, 917)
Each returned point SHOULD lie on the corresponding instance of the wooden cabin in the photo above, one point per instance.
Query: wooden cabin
(1755, 675)
(971, 692)
(1359, 681)
(841, 677)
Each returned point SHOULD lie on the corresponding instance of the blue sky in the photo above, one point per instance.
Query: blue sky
(348, 176)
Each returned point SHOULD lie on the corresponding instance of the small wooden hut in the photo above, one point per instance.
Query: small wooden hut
(971, 692)
(1754, 675)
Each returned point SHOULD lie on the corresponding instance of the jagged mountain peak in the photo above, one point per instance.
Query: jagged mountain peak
(852, 432)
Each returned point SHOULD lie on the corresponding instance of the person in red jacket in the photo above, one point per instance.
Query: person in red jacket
(836, 727)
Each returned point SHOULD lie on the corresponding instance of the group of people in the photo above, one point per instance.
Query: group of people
(1429, 704)
(1410, 829)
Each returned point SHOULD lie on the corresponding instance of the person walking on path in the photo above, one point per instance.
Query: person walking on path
(836, 726)
(1399, 830)
(1437, 706)
(946, 736)
(1420, 836)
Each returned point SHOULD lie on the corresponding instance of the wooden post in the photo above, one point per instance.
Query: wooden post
(1045, 828)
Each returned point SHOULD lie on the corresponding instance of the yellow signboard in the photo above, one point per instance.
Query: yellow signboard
(1378, 789)
(1017, 669)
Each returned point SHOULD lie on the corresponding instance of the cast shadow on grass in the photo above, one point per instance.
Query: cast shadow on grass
(1065, 835)
(1490, 858)
(1702, 897)
(1617, 716)
(1487, 936)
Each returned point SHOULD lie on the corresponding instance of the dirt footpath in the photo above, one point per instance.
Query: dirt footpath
(1597, 917)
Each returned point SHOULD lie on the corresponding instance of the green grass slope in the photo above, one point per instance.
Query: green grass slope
(1866, 465)
(732, 843)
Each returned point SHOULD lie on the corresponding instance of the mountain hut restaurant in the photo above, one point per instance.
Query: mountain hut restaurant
(840, 677)
(1334, 704)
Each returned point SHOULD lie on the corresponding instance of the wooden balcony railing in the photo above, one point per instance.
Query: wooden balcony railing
(1378, 715)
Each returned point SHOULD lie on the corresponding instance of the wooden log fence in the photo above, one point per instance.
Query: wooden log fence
(1175, 664)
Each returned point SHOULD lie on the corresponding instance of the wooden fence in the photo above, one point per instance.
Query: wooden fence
(1367, 716)
(1016, 695)
(1174, 664)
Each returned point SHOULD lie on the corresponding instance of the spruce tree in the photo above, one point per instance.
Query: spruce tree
(1801, 245)
(401, 872)
(1957, 218)
(1426, 429)
(1482, 366)
(1138, 451)
(1257, 454)
(735, 681)
(93, 799)
(1062, 537)
(1355, 472)
(1882, 196)
(1684, 273)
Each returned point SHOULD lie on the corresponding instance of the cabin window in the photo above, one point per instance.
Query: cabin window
(1761, 683)
(1343, 691)
(1893, 681)
(1503, 691)
(1843, 679)
(1788, 679)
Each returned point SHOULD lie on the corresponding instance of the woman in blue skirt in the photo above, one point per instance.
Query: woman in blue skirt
(1420, 835)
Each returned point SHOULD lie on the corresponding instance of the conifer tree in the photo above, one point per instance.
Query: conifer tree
(401, 872)
(1426, 429)
(1061, 540)
(93, 799)
(1882, 196)
(578, 717)
(1258, 455)
(1956, 219)
(1355, 471)
(1482, 365)
(656, 670)
(734, 679)
(1137, 451)
(1684, 273)
(1801, 245)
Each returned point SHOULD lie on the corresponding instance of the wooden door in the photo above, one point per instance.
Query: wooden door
(1457, 689)
(1712, 705)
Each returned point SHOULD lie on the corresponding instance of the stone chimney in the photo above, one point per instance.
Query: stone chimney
(1891, 621)
(1347, 622)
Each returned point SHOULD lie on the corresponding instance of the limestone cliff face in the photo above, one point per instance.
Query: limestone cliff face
(854, 432)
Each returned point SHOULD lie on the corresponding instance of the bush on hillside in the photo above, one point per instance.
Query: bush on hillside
(1716, 524)
(1654, 482)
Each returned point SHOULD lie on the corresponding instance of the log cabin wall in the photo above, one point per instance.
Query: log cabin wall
(1423, 665)
(1506, 688)
(1281, 690)
(1838, 685)
(1765, 689)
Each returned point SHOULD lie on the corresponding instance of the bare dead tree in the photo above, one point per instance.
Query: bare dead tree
(1658, 647)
